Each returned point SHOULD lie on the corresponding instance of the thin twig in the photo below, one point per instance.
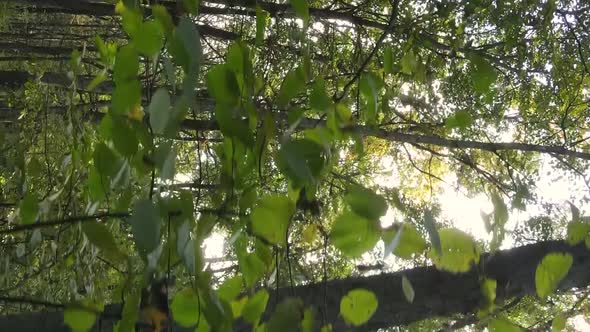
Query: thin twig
(368, 59)
(70, 220)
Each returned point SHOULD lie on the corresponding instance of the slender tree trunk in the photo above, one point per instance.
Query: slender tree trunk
(17, 79)
(20, 48)
(14, 79)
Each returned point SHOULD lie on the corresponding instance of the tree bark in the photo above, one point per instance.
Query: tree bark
(437, 293)
(464, 144)
(392, 136)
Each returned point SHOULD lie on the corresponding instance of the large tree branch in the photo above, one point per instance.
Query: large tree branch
(207, 105)
(437, 293)
(465, 144)
(443, 294)
(393, 136)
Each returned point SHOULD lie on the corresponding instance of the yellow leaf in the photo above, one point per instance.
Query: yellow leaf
(310, 234)
(156, 317)
(136, 113)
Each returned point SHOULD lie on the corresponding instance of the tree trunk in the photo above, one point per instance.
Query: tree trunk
(437, 293)
(74, 7)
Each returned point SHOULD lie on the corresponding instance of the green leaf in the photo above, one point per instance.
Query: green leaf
(223, 86)
(99, 235)
(232, 124)
(215, 312)
(96, 81)
(248, 199)
(230, 288)
(239, 61)
(271, 218)
(203, 326)
(388, 60)
(185, 247)
(301, 160)
(36, 238)
(130, 312)
(319, 99)
(500, 210)
(500, 219)
(165, 158)
(461, 120)
(187, 35)
(301, 8)
(458, 251)
(385, 107)
(132, 18)
(353, 234)
(252, 268)
(28, 209)
(80, 319)
(145, 225)
(483, 74)
(192, 6)
(185, 47)
(577, 231)
(558, 323)
(408, 63)
(34, 167)
(104, 160)
(163, 18)
(287, 316)
(185, 307)
(170, 71)
(550, 271)
(308, 324)
(433, 234)
(392, 242)
(488, 288)
(408, 289)
(369, 86)
(410, 242)
(293, 84)
(326, 328)
(502, 325)
(159, 111)
(126, 64)
(127, 96)
(575, 212)
(124, 139)
(264, 252)
(150, 40)
(237, 306)
(358, 306)
(365, 202)
(262, 17)
(255, 307)
(108, 52)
